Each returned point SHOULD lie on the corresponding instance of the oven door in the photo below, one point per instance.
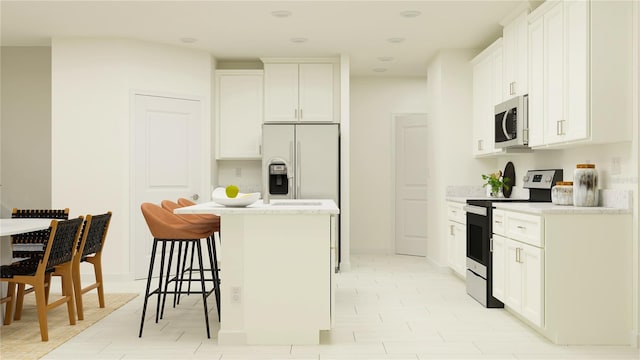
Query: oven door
(478, 228)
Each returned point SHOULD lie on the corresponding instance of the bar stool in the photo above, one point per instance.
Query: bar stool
(167, 228)
(214, 224)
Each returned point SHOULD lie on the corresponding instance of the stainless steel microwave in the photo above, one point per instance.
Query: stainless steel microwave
(511, 123)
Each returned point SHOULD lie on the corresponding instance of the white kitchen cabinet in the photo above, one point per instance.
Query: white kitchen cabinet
(239, 113)
(299, 92)
(457, 238)
(515, 56)
(524, 288)
(518, 263)
(573, 72)
(487, 93)
(571, 281)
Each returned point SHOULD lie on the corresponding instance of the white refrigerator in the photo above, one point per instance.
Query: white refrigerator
(311, 154)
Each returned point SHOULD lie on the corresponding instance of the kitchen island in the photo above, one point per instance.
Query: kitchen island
(276, 270)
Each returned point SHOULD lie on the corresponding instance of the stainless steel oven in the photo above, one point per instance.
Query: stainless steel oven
(479, 276)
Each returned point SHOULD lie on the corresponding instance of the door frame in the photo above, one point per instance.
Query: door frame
(392, 208)
(205, 140)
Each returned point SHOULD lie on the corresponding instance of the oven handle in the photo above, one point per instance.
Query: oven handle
(477, 210)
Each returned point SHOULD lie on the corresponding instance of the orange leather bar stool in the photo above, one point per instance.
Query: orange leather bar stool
(167, 228)
(212, 226)
(213, 246)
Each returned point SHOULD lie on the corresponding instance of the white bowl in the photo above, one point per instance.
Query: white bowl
(220, 197)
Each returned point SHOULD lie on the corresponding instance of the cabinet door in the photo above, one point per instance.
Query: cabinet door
(513, 275)
(532, 264)
(515, 50)
(316, 92)
(536, 82)
(451, 245)
(576, 30)
(280, 92)
(498, 257)
(239, 114)
(481, 99)
(498, 91)
(554, 117)
(461, 249)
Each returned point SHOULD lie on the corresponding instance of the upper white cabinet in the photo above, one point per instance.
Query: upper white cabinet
(579, 73)
(487, 93)
(300, 92)
(239, 97)
(515, 46)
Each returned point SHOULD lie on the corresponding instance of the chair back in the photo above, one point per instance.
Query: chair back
(34, 237)
(163, 224)
(93, 234)
(62, 242)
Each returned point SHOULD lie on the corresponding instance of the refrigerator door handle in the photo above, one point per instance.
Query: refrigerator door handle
(292, 177)
(298, 170)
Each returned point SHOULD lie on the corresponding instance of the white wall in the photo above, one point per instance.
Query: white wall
(373, 101)
(26, 128)
(92, 84)
(450, 109)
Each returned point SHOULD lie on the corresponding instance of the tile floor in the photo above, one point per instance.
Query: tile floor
(387, 307)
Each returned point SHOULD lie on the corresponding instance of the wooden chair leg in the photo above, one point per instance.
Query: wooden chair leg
(11, 294)
(41, 305)
(77, 290)
(47, 286)
(67, 292)
(97, 268)
(19, 299)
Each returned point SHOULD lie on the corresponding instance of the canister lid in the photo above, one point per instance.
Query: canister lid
(564, 183)
(585, 166)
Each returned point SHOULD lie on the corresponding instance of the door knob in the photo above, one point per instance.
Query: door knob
(195, 197)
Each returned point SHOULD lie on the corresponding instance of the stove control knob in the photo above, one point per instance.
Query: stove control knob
(525, 178)
(547, 179)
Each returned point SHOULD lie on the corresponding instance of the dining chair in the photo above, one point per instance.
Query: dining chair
(169, 229)
(59, 248)
(25, 245)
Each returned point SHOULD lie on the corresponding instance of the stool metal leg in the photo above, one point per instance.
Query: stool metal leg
(164, 248)
(146, 293)
(166, 283)
(204, 292)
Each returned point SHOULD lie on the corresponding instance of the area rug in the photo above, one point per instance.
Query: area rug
(21, 339)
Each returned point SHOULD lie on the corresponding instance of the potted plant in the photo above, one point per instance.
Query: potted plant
(497, 182)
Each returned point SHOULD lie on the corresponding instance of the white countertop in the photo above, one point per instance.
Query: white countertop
(288, 207)
(549, 208)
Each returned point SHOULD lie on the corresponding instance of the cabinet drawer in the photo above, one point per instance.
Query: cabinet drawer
(455, 212)
(524, 227)
(498, 222)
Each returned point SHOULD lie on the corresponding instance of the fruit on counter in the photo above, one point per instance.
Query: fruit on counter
(231, 191)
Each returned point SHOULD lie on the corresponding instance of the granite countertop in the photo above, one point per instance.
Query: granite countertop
(553, 209)
(285, 207)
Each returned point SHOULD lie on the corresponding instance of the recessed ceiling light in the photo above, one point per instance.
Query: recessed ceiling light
(299, 40)
(281, 13)
(395, 40)
(188, 40)
(410, 13)
(379, 70)
(385, 58)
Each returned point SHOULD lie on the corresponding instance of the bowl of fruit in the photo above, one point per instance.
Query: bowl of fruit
(231, 196)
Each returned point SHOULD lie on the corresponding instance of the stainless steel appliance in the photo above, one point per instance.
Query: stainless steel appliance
(512, 123)
(302, 161)
(480, 230)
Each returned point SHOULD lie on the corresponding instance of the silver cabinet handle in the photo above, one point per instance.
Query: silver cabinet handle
(497, 221)
(512, 88)
(479, 145)
(517, 255)
(451, 230)
(560, 127)
(301, 114)
(522, 227)
(491, 245)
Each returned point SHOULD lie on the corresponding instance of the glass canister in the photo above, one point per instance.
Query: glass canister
(585, 185)
(562, 193)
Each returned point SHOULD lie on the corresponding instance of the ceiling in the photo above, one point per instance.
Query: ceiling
(247, 30)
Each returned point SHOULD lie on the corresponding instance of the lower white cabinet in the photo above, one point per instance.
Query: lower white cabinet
(567, 274)
(523, 279)
(457, 238)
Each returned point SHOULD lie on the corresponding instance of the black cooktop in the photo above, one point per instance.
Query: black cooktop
(486, 202)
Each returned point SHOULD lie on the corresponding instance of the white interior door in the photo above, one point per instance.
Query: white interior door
(411, 184)
(167, 163)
